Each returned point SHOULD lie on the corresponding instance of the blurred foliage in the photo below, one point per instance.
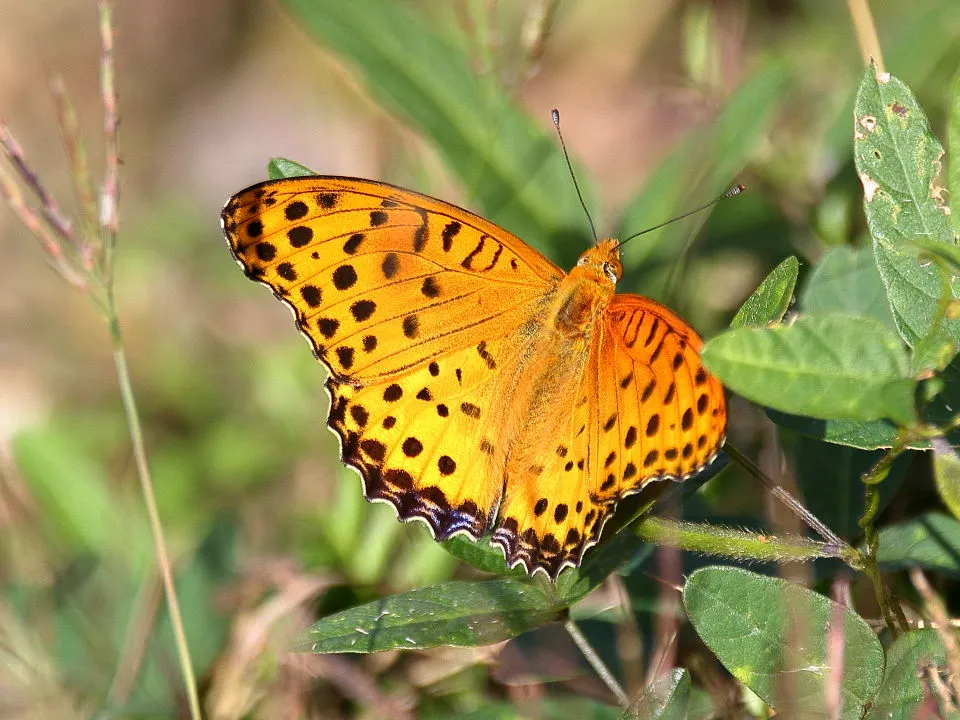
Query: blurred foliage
(270, 534)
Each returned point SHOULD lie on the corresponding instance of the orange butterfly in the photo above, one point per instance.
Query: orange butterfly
(473, 384)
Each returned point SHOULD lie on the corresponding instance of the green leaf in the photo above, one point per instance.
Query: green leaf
(598, 563)
(481, 555)
(931, 541)
(822, 366)
(924, 248)
(905, 690)
(666, 699)
(846, 280)
(768, 303)
(750, 623)
(933, 353)
(914, 291)
(946, 472)
(869, 435)
(279, 168)
(898, 161)
(881, 433)
(514, 171)
(462, 614)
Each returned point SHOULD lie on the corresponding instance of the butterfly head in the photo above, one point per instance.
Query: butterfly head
(601, 263)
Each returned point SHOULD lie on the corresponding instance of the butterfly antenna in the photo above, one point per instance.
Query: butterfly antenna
(555, 114)
(735, 190)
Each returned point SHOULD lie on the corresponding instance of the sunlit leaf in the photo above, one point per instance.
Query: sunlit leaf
(768, 303)
(462, 614)
(898, 160)
(946, 472)
(279, 168)
(749, 621)
(822, 366)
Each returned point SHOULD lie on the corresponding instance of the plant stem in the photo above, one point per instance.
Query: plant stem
(866, 31)
(892, 612)
(595, 661)
(146, 485)
(738, 544)
(812, 521)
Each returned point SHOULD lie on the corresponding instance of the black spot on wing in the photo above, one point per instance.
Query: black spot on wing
(296, 210)
(299, 236)
(449, 233)
(353, 243)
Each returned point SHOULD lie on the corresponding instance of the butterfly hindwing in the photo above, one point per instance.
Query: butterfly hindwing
(643, 410)
(662, 416)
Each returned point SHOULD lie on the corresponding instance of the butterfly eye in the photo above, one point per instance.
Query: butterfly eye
(608, 269)
(582, 261)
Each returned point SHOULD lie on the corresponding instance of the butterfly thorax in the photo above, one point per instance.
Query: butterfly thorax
(587, 289)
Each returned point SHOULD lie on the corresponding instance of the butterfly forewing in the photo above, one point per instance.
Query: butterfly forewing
(427, 442)
(382, 279)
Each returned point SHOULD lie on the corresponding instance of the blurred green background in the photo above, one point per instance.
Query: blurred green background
(663, 104)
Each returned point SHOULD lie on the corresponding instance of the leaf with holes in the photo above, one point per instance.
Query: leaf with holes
(898, 160)
(771, 634)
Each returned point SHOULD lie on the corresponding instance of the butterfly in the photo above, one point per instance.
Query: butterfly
(473, 384)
